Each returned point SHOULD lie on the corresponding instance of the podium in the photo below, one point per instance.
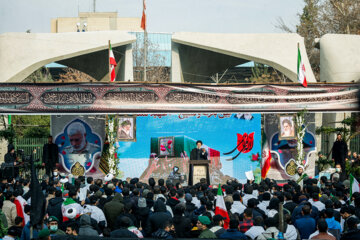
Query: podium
(199, 169)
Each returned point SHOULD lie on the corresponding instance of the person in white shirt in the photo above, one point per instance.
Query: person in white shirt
(265, 201)
(237, 206)
(291, 232)
(316, 202)
(95, 212)
(248, 190)
(257, 229)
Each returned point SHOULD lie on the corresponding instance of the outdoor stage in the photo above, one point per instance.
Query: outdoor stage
(147, 130)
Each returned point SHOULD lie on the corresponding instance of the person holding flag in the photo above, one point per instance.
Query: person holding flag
(221, 208)
(354, 185)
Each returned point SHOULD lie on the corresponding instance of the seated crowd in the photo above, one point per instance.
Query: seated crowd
(132, 209)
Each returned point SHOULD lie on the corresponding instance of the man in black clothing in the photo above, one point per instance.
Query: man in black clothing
(10, 171)
(353, 232)
(50, 156)
(339, 152)
(197, 153)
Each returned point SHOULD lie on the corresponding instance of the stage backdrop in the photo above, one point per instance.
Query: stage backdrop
(155, 145)
(283, 149)
(79, 154)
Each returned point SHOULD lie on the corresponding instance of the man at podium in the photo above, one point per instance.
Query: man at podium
(197, 153)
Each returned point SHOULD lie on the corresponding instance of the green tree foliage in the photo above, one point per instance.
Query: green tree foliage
(31, 126)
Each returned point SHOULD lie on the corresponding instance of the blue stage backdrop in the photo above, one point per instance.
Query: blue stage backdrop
(162, 142)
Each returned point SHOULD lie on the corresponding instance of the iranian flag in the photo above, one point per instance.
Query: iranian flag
(265, 156)
(221, 208)
(301, 70)
(354, 185)
(143, 19)
(112, 64)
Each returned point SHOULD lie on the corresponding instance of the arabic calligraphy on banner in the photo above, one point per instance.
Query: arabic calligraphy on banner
(128, 97)
(15, 97)
(183, 98)
(191, 97)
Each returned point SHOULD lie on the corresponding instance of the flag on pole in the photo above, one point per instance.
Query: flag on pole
(112, 64)
(143, 19)
(354, 185)
(301, 76)
(221, 208)
(265, 156)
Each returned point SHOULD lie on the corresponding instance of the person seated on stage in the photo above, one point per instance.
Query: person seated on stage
(198, 153)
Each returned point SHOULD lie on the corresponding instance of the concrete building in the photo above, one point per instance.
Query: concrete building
(203, 54)
(84, 51)
(340, 58)
(95, 21)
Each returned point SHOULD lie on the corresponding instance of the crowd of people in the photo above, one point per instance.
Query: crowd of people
(110, 207)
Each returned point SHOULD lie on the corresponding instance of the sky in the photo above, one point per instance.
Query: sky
(215, 16)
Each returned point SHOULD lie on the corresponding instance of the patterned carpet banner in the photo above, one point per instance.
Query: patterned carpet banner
(177, 98)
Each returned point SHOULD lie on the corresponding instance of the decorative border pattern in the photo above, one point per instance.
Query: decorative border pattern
(128, 98)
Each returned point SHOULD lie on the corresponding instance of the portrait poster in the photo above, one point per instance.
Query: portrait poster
(126, 129)
(164, 143)
(287, 127)
(80, 142)
(284, 152)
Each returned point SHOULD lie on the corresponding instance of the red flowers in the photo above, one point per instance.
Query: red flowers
(255, 157)
(245, 142)
(162, 148)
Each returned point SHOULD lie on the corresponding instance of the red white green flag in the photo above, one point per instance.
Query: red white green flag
(221, 208)
(143, 19)
(354, 185)
(112, 64)
(301, 76)
(265, 156)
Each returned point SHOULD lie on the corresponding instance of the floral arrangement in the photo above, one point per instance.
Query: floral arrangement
(301, 130)
(113, 159)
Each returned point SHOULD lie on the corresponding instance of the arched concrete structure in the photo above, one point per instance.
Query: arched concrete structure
(340, 58)
(24, 53)
(195, 54)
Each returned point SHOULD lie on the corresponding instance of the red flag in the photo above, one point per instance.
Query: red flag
(143, 19)
(221, 208)
(112, 64)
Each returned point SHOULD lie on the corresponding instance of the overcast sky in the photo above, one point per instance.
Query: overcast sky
(222, 16)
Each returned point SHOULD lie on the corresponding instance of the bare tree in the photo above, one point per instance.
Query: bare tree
(40, 75)
(73, 75)
(156, 68)
(324, 16)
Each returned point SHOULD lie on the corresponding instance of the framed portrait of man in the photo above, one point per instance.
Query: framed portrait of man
(287, 127)
(126, 131)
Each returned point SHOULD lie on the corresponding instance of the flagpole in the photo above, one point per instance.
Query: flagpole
(145, 54)
(297, 60)
(109, 63)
